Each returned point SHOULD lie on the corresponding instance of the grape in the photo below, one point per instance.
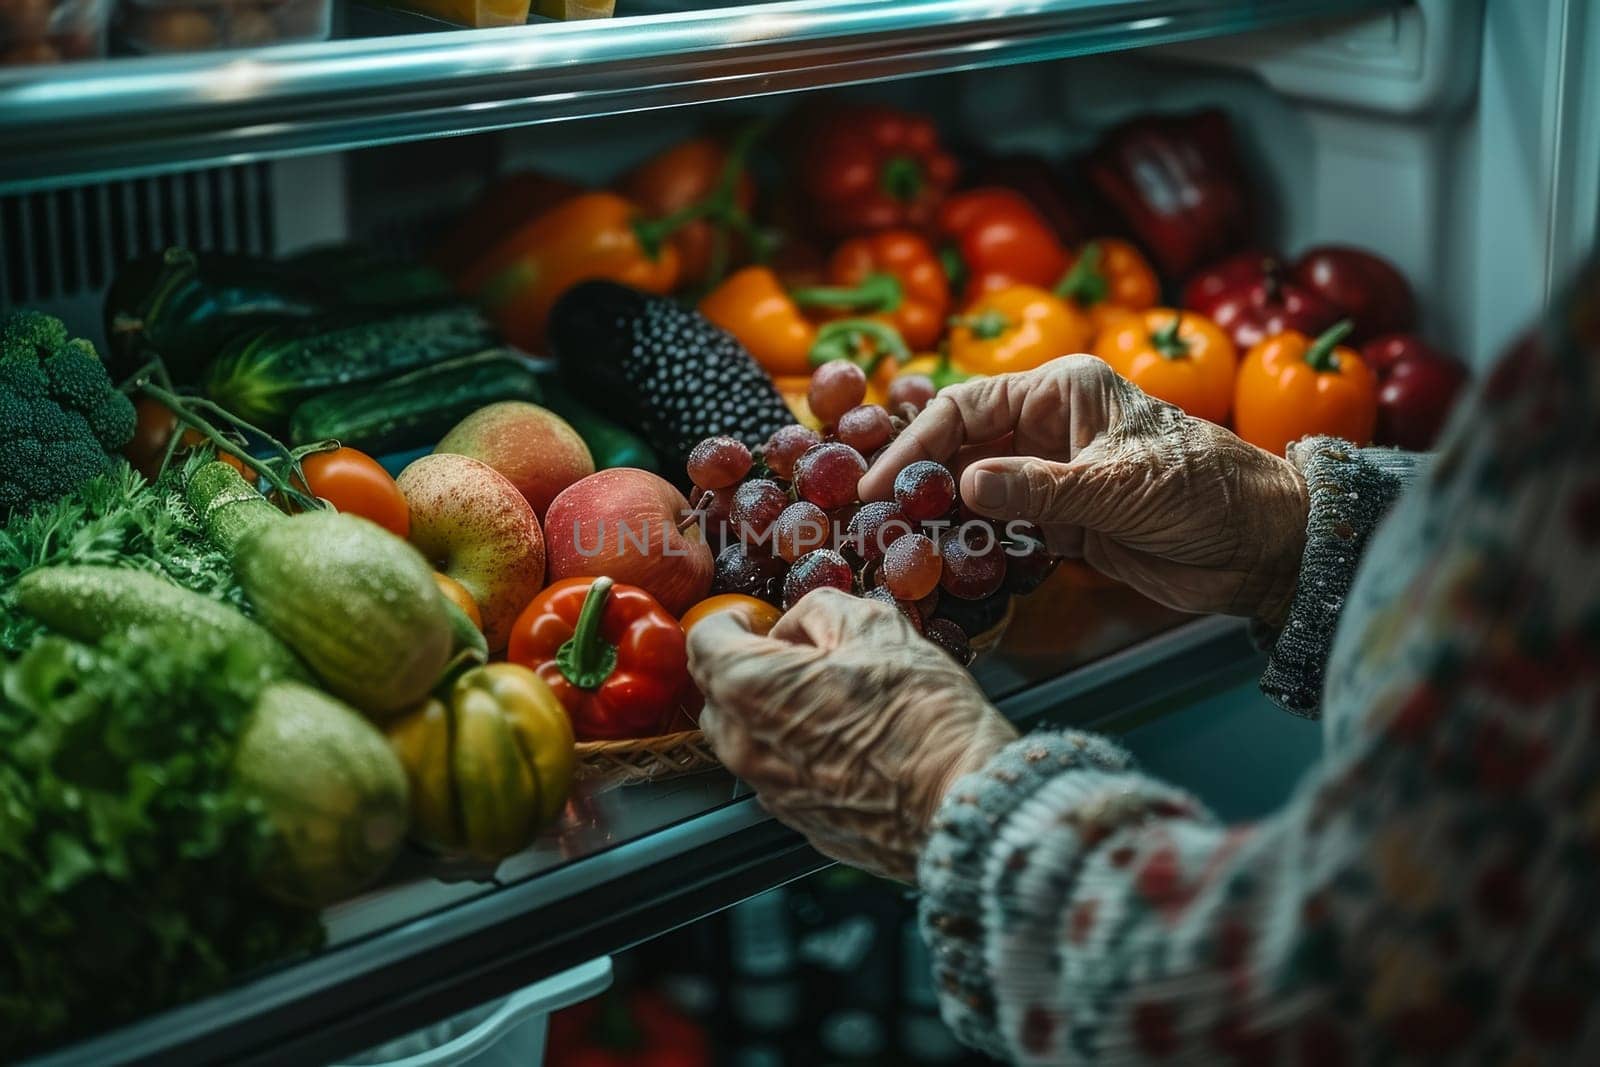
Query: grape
(786, 445)
(974, 562)
(714, 505)
(950, 637)
(718, 462)
(836, 387)
(821, 569)
(751, 571)
(1028, 564)
(901, 606)
(875, 527)
(912, 567)
(865, 429)
(756, 506)
(925, 490)
(974, 616)
(802, 527)
(928, 605)
(914, 389)
(827, 474)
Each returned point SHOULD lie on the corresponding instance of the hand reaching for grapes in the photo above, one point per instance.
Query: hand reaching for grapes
(848, 724)
(1177, 507)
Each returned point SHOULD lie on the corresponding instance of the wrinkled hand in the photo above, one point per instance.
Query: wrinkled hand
(849, 725)
(1177, 507)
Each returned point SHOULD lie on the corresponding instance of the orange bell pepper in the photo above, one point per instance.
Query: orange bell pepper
(594, 235)
(752, 305)
(685, 176)
(1177, 356)
(894, 275)
(1110, 277)
(796, 392)
(1292, 387)
(937, 367)
(1015, 329)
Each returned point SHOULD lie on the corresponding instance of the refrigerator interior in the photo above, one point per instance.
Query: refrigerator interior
(1460, 138)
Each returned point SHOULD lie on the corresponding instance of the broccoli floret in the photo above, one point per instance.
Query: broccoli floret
(60, 413)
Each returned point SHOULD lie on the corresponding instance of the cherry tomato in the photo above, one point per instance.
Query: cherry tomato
(457, 594)
(151, 433)
(356, 484)
(193, 438)
(757, 615)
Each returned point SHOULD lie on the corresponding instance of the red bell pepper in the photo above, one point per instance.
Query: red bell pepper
(614, 657)
(1180, 185)
(895, 275)
(618, 1030)
(995, 240)
(1368, 289)
(1255, 310)
(1041, 184)
(1417, 387)
(1205, 287)
(875, 168)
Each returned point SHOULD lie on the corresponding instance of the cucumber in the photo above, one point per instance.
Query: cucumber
(93, 604)
(263, 375)
(358, 604)
(355, 275)
(415, 409)
(610, 445)
(228, 506)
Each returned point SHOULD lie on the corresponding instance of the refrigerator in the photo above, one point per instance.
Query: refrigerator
(1458, 138)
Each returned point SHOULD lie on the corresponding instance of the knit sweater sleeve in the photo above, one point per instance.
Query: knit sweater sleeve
(1351, 491)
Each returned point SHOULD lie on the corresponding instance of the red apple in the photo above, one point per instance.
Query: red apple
(623, 523)
(475, 527)
(536, 450)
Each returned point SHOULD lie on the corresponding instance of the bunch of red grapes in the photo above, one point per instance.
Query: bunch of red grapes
(792, 523)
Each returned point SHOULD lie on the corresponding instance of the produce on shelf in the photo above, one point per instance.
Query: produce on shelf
(1417, 388)
(1238, 269)
(1369, 290)
(754, 614)
(229, 508)
(1176, 356)
(662, 369)
(489, 763)
(60, 416)
(113, 519)
(157, 27)
(414, 409)
(1252, 300)
(333, 790)
(505, 205)
(592, 235)
(262, 375)
(632, 526)
(358, 604)
(1109, 276)
(462, 598)
(894, 275)
(613, 656)
(356, 484)
(471, 523)
(868, 167)
(610, 443)
(1292, 386)
(1042, 184)
(705, 182)
(154, 428)
(753, 306)
(1016, 328)
(919, 379)
(994, 239)
(99, 603)
(532, 448)
(52, 31)
(1179, 184)
(101, 873)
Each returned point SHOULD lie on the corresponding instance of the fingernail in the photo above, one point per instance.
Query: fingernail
(988, 489)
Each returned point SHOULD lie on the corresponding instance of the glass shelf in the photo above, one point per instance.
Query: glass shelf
(130, 116)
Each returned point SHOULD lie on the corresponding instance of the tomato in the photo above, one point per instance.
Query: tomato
(757, 615)
(193, 438)
(356, 484)
(152, 432)
(457, 594)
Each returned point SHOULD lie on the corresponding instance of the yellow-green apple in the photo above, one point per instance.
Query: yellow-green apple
(474, 526)
(536, 450)
(624, 523)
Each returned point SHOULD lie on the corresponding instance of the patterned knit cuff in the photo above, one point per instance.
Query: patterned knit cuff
(1351, 491)
(952, 867)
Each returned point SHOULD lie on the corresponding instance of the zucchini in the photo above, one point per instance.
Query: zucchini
(356, 276)
(610, 444)
(180, 305)
(263, 375)
(93, 604)
(416, 409)
(228, 506)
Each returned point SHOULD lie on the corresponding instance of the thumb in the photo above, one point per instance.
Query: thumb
(1039, 491)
